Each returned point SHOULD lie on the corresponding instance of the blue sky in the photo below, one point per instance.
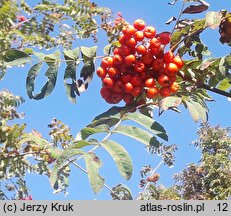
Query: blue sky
(180, 127)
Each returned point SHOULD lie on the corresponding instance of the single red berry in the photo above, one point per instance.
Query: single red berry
(139, 24)
(108, 82)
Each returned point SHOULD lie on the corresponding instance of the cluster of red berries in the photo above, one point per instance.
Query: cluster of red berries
(139, 67)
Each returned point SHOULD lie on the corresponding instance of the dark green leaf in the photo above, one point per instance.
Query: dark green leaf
(15, 57)
(120, 156)
(138, 134)
(110, 117)
(148, 123)
(70, 73)
(93, 164)
(32, 74)
(51, 74)
(82, 143)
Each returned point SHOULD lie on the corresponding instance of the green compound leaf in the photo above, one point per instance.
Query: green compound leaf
(120, 156)
(93, 164)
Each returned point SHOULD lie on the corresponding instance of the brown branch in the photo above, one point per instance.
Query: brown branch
(213, 89)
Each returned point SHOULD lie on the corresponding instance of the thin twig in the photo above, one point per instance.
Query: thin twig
(178, 19)
(105, 138)
(153, 171)
(105, 185)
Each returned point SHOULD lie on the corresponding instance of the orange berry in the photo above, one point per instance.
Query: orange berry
(139, 24)
(178, 62)
(168, 56)
(128, 30)
(113, 72)
(164, 80)
(108, 82)
(141, 49)
(149, 32)
(130, 59)
(139, 36)
(149, 82)
(101, 72)
(171, 68)
(151, 92)
(107, 62)
(174, 87)
(147, 58)
(128, 87)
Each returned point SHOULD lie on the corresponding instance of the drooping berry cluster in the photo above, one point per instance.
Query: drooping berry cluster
(139, 67)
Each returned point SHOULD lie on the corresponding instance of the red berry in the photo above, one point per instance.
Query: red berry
(151, 92)
(164, 80)
(139, 24)
(128, 87)
(101, 72)
(149, 32)
(108, 82)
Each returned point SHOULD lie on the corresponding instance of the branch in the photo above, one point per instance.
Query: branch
(215, 90)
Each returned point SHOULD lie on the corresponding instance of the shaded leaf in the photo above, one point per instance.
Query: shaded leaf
(193, 9)
(107, 49)
(138, 134)
(15, 57)
(32, 74)
(173, 2)
(120, 156)
(110, 117)
(148, 123)
(213, 19)
(93, 164)
(70, 73)
(46, 90)
(170, 20)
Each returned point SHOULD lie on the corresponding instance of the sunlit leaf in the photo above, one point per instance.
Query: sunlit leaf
(120, 156)
(138, 134)
(213, 19)
(168, 102)
(224, 66)
(61, 162)
(88, 52)
(148, 123)
(225, 84)
(197, 111)
(72, 54)
(93, 164)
